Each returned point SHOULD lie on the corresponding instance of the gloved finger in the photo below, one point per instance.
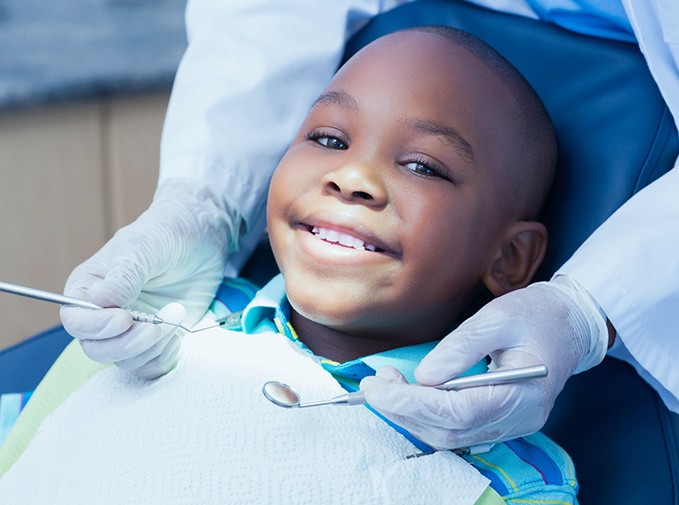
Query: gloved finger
(390, 374)
(133, 363)
(137, 339)
(164, 356)
(172, 313)
(413, 406)
(162, 364)
(450, 439)
(515, 423)
(479, 336)
(83, 276)
(383, 376)
(138, 360)
(386, 375)
(92, 324)
(374, 389)
(408, 403)
(454, 410)
(539, 393)
(120, 286)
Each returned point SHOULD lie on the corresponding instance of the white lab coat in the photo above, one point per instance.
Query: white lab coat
(253, 67)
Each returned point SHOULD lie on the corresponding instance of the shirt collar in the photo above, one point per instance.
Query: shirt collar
(259, 314)
(270, 311)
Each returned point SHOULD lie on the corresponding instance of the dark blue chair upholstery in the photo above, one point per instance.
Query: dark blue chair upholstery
(616, 136)
(23, 365)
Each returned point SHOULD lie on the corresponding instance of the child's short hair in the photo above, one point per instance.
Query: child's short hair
(537, 154)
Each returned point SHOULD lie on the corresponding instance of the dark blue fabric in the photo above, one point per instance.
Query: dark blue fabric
(495, 481)
(538, 459)
(23, 365)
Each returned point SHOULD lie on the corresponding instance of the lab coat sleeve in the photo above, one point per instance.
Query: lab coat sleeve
(630, 265)
(249, 75)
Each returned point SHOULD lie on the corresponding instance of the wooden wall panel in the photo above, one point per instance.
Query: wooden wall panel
(132, 140)
(70, 175)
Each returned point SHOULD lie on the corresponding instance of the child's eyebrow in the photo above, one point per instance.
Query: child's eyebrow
(449, 134)
(337, 98)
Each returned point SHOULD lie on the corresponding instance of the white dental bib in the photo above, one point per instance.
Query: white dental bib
(204, 434)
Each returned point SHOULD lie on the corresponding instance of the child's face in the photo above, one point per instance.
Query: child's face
(384, 213)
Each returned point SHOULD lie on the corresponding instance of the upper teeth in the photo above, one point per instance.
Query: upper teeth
(345, 239)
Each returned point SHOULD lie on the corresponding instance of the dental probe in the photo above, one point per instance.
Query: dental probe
(46, 296)
(285, 396)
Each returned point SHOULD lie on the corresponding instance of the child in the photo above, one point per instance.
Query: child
(426, 152)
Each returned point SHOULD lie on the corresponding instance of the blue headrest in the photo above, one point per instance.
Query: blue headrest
(614, 130)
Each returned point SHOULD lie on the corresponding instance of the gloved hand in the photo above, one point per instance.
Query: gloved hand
(175, 251)
(555, 323)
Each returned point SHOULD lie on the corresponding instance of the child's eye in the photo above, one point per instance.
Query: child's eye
(424, 168)
(327, 140)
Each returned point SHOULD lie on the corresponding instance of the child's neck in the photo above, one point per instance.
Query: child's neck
(335, 344)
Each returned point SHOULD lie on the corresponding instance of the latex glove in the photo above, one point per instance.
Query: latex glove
(556, 323)
(175, 251)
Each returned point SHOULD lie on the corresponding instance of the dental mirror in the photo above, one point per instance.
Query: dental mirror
(280, 394)
(284, 396)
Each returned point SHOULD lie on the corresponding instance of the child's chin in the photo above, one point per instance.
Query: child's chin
(328, 315)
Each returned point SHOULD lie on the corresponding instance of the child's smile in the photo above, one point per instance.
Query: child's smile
(332, 239)
(342, 238)
(335, 237)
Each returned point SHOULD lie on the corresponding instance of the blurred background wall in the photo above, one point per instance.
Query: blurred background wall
(83, 89)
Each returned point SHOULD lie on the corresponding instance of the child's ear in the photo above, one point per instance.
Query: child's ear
(517, 258)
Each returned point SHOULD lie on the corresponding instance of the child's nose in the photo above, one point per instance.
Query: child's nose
(358, 183)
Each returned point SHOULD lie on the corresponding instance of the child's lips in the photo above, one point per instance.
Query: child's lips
(342, 240)
(342, 230)
(322, 252)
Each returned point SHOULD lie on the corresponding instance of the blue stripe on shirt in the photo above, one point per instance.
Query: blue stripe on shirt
(533, 455)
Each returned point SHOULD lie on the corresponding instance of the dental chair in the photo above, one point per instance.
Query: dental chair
(615, 137)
